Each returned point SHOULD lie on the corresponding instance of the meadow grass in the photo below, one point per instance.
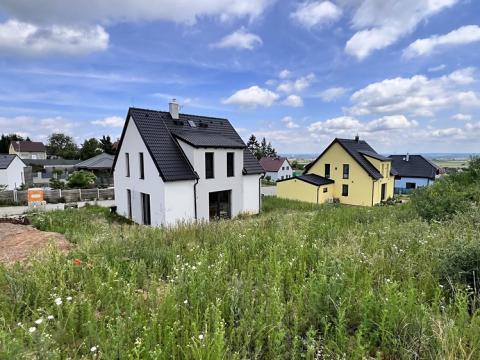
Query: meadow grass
(299, 281)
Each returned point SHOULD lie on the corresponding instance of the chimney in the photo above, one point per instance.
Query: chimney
(173, 109)
(407, 157)
(357, 138)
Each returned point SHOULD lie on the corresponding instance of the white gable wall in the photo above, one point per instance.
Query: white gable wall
(152, 184)
(13, 176)
(179, 202)
(277, 175)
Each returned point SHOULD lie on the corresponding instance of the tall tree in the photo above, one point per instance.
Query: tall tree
(90, 148)
(252, 144)
(107, 145)
(5, 141)
(262, 149)
(63, 146)
(270, 151)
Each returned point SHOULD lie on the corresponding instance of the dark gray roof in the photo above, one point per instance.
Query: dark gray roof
(375, 155)
(207, 139)
(28, 146)
(416, 166)
(5, 160)
(311, 179)
(355, 148)
(51, 162)
(158, 131)
(101, 161)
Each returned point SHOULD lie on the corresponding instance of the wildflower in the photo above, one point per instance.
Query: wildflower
(39, 321)
(50, 317)
(185, 301)
(201, 336)
(69, 298)
(19, 324)
(32, 329)
(77, 262)
(58, 301)
(94, 349)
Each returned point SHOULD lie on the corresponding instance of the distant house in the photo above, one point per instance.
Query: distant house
(42, 171)
(11, 172)
(28, 150)
(278, 168)
(348, 170)
(101, 166)
(172, 168)
(413, 171)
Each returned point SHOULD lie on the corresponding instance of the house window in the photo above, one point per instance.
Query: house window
(142, 167)
(282, 177)
(288, 167)
(209, 165)
(325, 189)
(146, 214)
(410, 185)
(327, 170)
(129, 203)
(344, 190)
(127, 164)
(230, 164)
(283, 167)
(346, 171)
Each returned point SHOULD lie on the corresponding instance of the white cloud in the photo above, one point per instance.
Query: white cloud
(35, 128)
(447, 132)
(349, 125)
(298, 85)
(437, 68)
(111, 121)
(293, 101)
(332, 93)
(240, 40)
(289, 122)
(462, 117)
(29, 39)
(316, 13)
(423, 47)
(380, 25)
(417, 95)
(284, 74)
(252, 97)
(107, 11)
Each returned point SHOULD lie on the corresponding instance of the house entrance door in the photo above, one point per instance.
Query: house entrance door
(220, 205)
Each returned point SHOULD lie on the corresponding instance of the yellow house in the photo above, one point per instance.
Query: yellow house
(348, 170)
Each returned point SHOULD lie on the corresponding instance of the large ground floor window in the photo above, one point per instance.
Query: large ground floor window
(146, 214)
(220, 206)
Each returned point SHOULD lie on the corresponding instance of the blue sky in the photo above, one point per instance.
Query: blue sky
(403, 75)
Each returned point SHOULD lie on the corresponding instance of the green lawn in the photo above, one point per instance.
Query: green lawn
(298, 281)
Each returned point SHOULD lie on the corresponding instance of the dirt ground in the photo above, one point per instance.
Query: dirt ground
(18, 242)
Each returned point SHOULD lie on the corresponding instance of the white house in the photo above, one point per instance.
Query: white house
(11, 172)
(173, 168)
(278, 168)
(413, 171)
(28, 150)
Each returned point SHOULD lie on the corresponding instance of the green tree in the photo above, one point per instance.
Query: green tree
(63, 146)
(5, 141)
(107, 145)
(81, 179)
(253, 144)
(90, 148)
(270, 151)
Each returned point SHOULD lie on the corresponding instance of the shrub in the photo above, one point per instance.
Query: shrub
(81, 179)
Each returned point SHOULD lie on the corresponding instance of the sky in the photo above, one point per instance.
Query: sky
(403, 75)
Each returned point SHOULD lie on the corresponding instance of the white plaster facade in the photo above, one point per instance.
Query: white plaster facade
(13, 176)
(175, 202)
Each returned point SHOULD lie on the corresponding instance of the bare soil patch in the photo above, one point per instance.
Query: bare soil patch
(18, 242)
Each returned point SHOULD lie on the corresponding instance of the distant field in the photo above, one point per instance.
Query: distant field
(451, 163)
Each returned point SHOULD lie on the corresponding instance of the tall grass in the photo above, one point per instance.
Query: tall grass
(297, 282)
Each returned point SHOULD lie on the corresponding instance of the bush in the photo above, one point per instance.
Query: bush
(81, 179)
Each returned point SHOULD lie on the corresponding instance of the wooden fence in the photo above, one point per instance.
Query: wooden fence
(14, 197)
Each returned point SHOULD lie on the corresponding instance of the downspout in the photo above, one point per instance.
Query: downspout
(195, 197)
(260, 194)
(318, 189)
(373, 190)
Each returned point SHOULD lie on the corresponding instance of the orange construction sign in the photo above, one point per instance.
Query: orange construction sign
(35, 195)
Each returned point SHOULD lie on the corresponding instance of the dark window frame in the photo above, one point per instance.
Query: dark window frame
(129, 203)
(209, 165)
(325, 189)
(141, 165)
(327, 173)
(146, 209)
(230, 164)
(346, 171)
(127, 164)
(345, 190)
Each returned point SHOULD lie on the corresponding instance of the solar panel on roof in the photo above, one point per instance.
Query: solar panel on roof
(191, 123)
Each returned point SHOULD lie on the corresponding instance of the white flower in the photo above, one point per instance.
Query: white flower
(201, 336)
(39, 321)
(185, 301)
(50, 317)
(93, 349)
(58, 301)
(32, 329)
(69, 298)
